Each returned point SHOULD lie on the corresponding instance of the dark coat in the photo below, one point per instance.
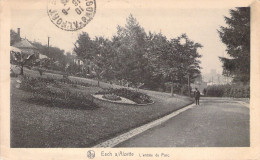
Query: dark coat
(197, 94)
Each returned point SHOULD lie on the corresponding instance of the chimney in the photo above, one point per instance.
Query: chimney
(18, 32)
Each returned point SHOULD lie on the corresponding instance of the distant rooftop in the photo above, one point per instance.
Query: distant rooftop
(24, 43)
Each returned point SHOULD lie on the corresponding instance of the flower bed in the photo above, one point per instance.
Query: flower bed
(137, 97)
(48, 89)
(111, 97)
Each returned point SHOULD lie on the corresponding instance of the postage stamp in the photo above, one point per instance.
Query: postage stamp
(71, 15)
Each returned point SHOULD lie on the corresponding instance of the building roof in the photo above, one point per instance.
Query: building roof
(14, 49)
(24, 43)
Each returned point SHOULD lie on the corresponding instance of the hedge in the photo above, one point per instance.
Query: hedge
(237, 90)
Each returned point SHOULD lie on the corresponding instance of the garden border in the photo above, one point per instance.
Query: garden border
(115, 102)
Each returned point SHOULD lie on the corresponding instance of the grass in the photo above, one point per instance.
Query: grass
(38, 124)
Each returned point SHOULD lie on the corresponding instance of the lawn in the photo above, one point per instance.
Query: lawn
(37, 124)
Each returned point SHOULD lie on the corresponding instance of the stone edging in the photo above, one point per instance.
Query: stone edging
(145, 104)
(115, 102)
(125, 136)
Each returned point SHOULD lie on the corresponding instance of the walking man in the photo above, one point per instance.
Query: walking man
(197, 96)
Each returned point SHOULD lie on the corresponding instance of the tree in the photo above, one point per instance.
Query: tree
(22, 60)
(157, 52)
(138, 58)
(102, 59)
(187, 57)
(42, 64)
(130, 49)
(54, 53)
(84, 46)
(236, 36)
(176, 60)
(97, 55)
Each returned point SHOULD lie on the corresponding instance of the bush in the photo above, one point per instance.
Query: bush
(46, 88)
(215, 91)
(111, 97)
(237, 90)
(135, 96)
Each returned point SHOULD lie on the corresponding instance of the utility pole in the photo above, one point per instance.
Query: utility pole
(49, 45)
(189, 84)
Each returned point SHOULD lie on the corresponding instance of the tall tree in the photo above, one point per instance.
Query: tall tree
(102, 59)
(236, 36)
(177, 59)
(187, 57)
(97, 55)
(157, 51)
(130, 51)
(84, 46)
(134, 56)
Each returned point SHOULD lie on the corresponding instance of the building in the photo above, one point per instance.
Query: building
(26, 47)
(214, 78)
(74, 59)
(78, 61)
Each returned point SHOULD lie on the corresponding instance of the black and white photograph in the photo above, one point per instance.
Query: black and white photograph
(121, 74)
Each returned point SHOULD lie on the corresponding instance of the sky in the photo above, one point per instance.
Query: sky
(200, 24)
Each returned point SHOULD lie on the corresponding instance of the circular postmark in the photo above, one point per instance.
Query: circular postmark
(71, 15)
(91, 154)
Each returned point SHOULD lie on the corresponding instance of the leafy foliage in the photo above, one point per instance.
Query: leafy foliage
(236, 36)
(135, 96)
(234, 90)
(56, 56)
(111, 97)
(97, 55)
(130, 48)
(22, 60)
(135, 57)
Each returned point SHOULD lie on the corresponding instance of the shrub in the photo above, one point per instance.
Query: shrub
(215, 91)
(46, 88)
(135, 96)
(111, 97)
(237, 90)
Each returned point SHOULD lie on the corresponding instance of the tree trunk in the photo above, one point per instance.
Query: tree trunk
(40, 71)
(21, 71)
(172, 86)
(172, 89)
(189, 84)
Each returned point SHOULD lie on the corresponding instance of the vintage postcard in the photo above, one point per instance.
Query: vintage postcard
(135, 80)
